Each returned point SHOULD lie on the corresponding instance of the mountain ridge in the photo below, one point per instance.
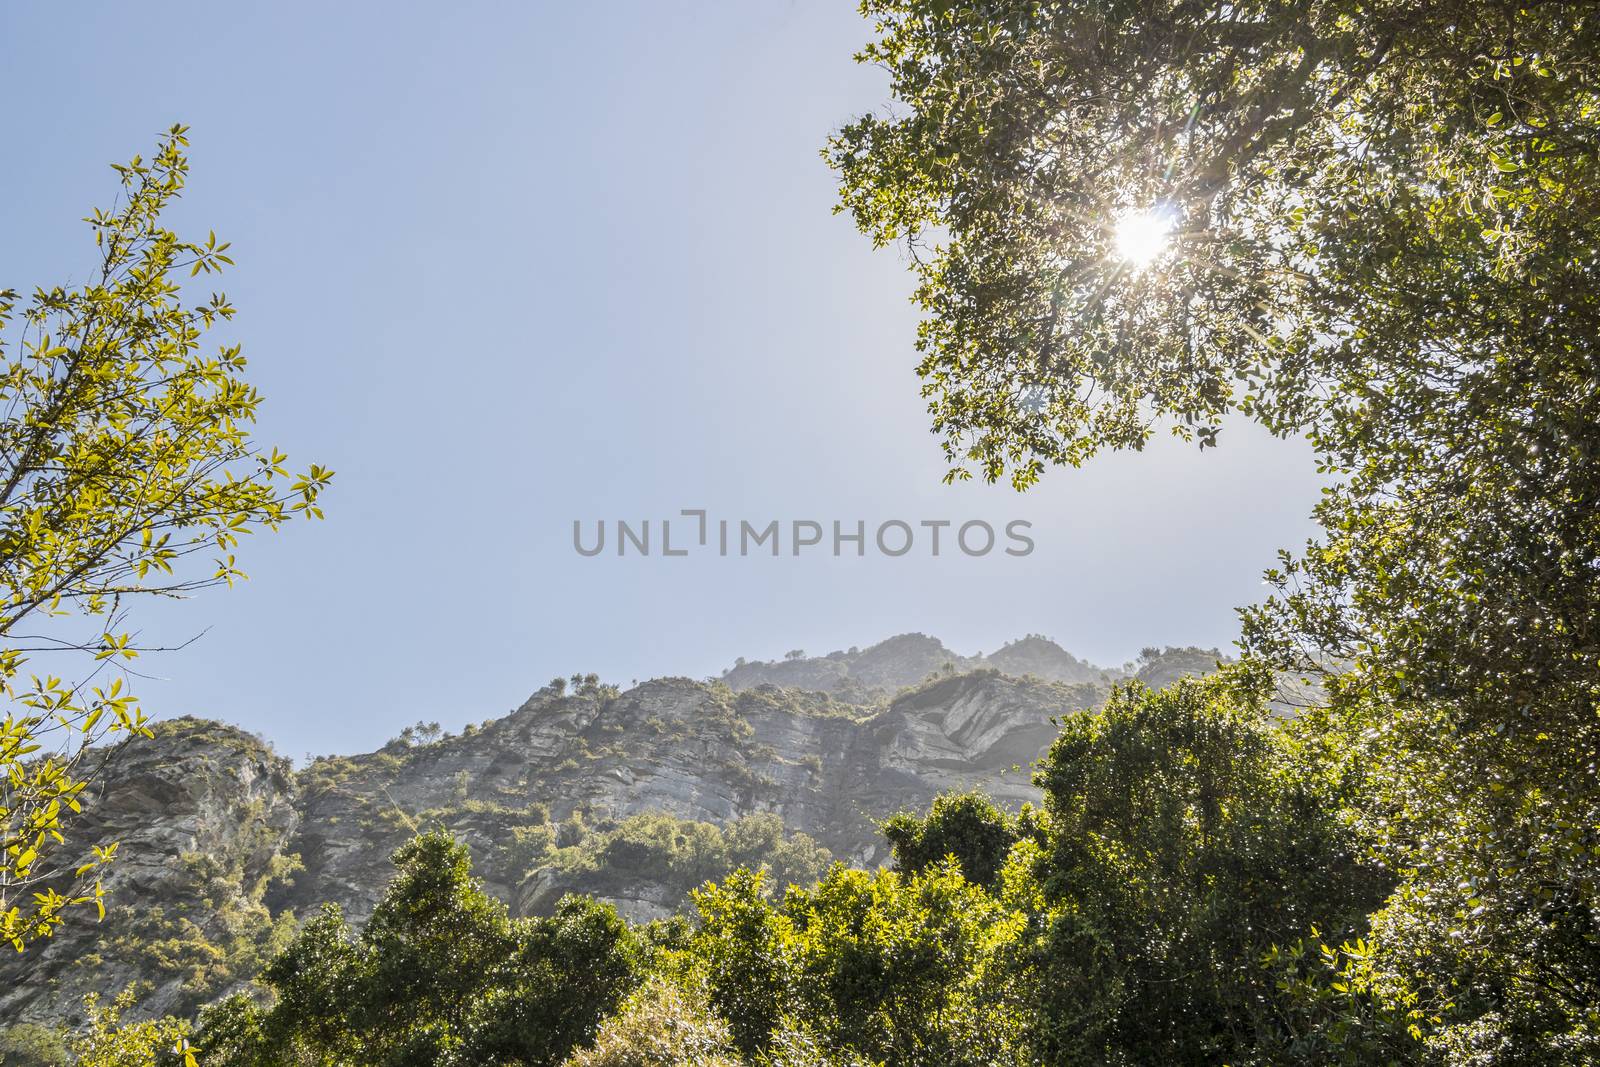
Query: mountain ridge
(908, 659)
(632, 795)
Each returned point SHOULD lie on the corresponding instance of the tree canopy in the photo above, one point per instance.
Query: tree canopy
(1374, 223)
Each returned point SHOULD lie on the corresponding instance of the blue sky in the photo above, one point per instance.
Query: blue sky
(504, 266)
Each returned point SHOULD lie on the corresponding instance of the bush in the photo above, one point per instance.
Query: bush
(662, 1025)
(109, 1042)
(33, 1045)
(681, 854)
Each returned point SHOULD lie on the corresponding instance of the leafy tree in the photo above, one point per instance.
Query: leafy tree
(127, 471)
(966, 826)
(567, 973)
(1493, 933)
(1324, 171)
(439, 975)
(878, 966)
(1190, 834)
(906, 969)
(1371, 222)
(796, 1044)
(588, 685)
(748, 950)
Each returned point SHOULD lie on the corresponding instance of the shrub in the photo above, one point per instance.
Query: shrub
(664, 1024)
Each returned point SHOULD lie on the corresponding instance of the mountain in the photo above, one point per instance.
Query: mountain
(635, 797)
(694, 751)
(907, 660)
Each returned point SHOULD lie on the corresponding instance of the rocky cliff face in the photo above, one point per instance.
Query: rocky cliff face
(632, 796)
(699, 752)
(204, 816)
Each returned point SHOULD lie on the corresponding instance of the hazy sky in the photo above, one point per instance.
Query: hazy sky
(504, 266)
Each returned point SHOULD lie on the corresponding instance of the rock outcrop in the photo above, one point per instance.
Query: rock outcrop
(204, 816)
(695, 751)
(632, 796)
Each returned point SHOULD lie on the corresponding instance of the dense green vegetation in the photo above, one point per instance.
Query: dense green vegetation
(1191, 891)
(437, 975)
(680, 854)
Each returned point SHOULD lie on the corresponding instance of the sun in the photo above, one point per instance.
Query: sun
(1141, 236)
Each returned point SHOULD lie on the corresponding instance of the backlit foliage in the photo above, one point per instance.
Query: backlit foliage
(127, 471)
(1385, 236)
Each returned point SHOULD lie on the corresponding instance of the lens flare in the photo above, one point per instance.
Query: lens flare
(1141, 236)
